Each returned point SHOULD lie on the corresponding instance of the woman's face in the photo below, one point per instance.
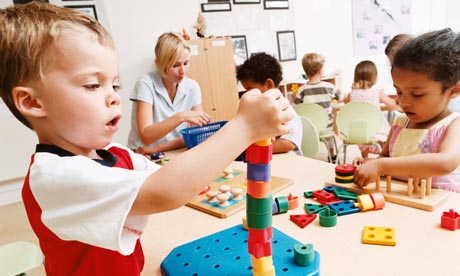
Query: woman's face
(177, 72)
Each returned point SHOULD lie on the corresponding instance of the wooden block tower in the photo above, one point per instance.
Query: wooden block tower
(259, 207)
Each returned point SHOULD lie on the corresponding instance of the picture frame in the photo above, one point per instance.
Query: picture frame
(88, 9)
(240, 49)
(286, 45)
(237, 2)
(276, 4)
(216, 7)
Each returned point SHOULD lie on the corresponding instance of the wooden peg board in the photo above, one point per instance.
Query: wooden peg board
(239, 180)
(398, 194)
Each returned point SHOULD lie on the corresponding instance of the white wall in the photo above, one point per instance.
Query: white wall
(323, 26)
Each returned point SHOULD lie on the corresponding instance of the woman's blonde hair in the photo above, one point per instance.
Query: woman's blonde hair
(28, 36)
(170, 46)
(365, 75)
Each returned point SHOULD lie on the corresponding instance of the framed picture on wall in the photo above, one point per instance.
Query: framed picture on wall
(276, 4)
(286, 45)
(246, 1)
(240, 49)
(216, 6)
(88, 9)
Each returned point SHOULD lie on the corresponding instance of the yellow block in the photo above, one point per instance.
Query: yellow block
(264, 142)
(380, 235)
(262, 265)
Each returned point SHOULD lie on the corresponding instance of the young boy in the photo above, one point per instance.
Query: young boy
(87, 199)
(317, 91)
(264, 72)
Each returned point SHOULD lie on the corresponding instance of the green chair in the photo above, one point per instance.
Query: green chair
(357, 122)
(18, 257)
(310, 138)
(318, 115)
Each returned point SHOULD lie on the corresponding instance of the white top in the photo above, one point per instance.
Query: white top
(150, 89)
(295, 133)
(85, 201)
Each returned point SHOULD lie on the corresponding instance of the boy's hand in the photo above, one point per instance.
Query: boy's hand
(264, 115)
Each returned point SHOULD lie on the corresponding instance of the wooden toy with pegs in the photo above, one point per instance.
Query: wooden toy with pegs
(414, 192)
(235, 184)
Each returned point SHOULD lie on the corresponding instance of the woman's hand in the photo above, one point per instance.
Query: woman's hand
(195, 117)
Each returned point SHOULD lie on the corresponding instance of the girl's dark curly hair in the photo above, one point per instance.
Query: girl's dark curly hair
(260, 67)
(435, 54)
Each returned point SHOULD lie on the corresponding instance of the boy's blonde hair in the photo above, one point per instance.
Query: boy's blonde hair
(28, 35)
(365, 75)
(312, 63)
(170, 46)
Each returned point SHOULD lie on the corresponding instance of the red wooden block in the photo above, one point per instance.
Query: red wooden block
(260, 249)
(256, 154)
(260, 235)
(450, 220)
(303, 220)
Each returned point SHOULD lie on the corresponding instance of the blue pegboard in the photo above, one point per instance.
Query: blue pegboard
(226, 253)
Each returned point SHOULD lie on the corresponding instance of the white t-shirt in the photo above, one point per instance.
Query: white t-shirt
(150, 89)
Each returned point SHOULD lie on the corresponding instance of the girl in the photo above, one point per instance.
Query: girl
(165, 100)
(423, 141)
(363, 90)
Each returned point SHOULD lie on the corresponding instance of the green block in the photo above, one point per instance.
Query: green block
(345, 194)
(308, 194)
(314, 208)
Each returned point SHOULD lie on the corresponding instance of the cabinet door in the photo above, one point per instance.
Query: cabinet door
(199, 71)
(222, 77)
(212, 66)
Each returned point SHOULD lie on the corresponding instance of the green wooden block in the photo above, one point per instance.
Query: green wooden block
(314, 208)
(308, 194)
(345, 194)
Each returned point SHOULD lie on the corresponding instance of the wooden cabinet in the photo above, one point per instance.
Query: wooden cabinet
(213, 67)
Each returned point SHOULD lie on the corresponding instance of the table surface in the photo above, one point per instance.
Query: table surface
(423, 247)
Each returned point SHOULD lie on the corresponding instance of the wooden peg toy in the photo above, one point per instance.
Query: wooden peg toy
(223, 199)
(237, 193)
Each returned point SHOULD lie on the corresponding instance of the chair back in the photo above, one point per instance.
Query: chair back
(316, 113)
(18, 257)
(358, 121)
(310, 138)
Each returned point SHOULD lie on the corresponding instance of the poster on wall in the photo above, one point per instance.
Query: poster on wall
(375, 22)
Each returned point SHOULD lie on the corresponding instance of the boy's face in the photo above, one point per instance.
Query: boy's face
(421, 98)
(249, 84)
(78, 96)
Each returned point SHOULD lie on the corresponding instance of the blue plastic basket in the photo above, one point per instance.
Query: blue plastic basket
(197, 134)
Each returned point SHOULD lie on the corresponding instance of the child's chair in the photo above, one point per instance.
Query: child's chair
(18, 257)
(310, 138)
(357, 122)
(319, 117)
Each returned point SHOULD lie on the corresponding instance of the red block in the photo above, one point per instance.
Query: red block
(260, 249)
(256, 154)
(303, 220)
(260, 235)
(450, 220)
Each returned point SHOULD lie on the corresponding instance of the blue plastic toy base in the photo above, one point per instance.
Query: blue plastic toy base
(226, 253)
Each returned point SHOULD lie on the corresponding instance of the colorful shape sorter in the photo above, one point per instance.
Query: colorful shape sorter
(380, 235)
(225, 253)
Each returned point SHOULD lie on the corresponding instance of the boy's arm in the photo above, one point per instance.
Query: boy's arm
(259, 116)
(422, 165)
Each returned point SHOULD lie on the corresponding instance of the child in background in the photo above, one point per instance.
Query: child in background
(318, 91)
(364, 90)
(395, 43)
(264, 72)
(423, 141)
(87, 199)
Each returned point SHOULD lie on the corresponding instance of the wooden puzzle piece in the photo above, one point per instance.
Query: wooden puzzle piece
(380, 235)
(344, 207)
(303, 220)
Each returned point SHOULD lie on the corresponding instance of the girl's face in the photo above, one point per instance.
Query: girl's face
(421, 98)
(79, 95)
(177, 72)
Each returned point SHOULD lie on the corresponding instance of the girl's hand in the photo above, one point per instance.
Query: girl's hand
(358, 161)
(367, 172)
(195, 117)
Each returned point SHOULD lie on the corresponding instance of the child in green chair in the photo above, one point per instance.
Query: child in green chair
(263, 71)
(318, 91)
(423, 141)
(364, 90)
(87, 199)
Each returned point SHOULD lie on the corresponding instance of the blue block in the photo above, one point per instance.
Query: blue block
(226, 253)
(258, 172)
(344, 207)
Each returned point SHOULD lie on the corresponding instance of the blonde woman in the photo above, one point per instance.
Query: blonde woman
(165, 100)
